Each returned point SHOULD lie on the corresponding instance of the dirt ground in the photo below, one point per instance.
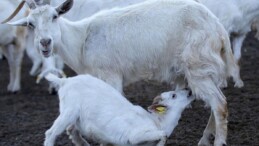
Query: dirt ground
(25, 116)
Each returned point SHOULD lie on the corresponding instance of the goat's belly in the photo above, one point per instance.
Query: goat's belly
(97, 134)
(115, 135)
(100, 136)
(90, 132)
(163, 74)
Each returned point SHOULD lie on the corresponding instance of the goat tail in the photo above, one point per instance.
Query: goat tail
(232, 66)
(55, 79)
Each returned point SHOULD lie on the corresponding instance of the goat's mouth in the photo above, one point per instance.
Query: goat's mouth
(46, 53)
(157, 108)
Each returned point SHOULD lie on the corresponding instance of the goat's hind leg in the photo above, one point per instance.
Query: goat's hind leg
(209, 130)
(211, 94)
(76, 137)
(150, 136)
(36, 62)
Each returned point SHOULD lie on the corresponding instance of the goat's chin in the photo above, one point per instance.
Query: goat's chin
(46, 52)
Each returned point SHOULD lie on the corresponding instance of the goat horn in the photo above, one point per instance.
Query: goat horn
(15, 12)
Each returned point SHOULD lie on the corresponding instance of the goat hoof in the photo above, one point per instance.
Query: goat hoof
(2, 58)
(53, 92)
(13, 92)
(13, 89)
(69, 129)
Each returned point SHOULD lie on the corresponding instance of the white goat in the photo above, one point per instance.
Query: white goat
(165, 40)
(101, 113)
(12, 44)
(81, 9)
(237, 17)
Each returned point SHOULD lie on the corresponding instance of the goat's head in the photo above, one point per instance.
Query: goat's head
(44, 20)
(171, 100)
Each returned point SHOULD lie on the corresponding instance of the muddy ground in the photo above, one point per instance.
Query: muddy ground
(25, 116)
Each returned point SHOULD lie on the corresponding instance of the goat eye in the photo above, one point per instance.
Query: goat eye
(55, 17)
(174, 96)
(31, 25)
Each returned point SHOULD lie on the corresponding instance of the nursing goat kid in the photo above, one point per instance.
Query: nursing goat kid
(177, 41)
(237, 16)
(12, 44)
(99, 112)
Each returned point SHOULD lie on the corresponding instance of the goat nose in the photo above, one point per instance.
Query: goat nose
(45, 42)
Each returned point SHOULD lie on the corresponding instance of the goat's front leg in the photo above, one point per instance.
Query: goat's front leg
(36, 62)
(66, 118)
(49, 66)
(33, 53)
(76, 137)
(150, 136)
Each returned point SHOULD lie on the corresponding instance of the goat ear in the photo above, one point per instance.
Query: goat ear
(65, 7)
(20, 22)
